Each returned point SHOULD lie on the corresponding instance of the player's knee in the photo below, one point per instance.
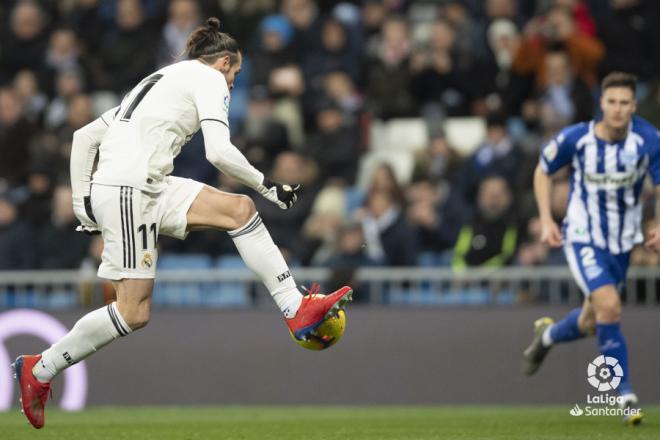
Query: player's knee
(243, 211)
(137, 317)
(609, 311)
(138, 321)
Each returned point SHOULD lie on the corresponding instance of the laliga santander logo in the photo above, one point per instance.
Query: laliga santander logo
(43, 326)
(604, 373)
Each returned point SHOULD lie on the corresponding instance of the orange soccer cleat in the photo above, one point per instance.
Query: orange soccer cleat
(33, 393)
(315, 309)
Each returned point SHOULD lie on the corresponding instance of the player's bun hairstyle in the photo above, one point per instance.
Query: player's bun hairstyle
(620, 79)
(208, 44)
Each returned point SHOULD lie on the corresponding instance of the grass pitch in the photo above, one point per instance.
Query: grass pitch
(328, 423)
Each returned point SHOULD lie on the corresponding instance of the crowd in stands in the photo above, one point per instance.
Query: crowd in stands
(331, 95)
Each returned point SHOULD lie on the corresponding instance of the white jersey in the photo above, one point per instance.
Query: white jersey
(146, 132)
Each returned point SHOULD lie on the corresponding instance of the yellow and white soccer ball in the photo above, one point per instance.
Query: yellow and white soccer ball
(327, 334)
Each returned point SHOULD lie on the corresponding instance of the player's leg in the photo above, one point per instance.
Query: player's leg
(611, 342)
(236, 214)
(118, 211)
(577, 324)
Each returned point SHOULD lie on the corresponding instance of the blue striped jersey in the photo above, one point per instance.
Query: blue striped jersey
(606, 181)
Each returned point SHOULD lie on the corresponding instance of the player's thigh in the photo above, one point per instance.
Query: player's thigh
(215, 209)
(128, 220)
(590, 266)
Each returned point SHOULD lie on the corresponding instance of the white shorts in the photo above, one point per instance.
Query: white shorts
(131, 221)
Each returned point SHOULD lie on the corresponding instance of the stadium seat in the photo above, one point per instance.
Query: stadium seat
(465, 134)
(229, 293)
(181, 294)
(402, 134)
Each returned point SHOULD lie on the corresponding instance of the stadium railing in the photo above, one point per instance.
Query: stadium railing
(238, 287)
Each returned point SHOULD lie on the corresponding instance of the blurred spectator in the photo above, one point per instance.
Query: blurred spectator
(63, 55)
(334, 54)
(497, 155)
(59, 245)
(350, 248)
(339, 87)
(33, 100)
(649, 108)
(320, 233)
(127, 53)
(68, 84)
(630, 30)
(304, 17)
(272, 51)
(388, 237)
(490, 239)
(335, 146)
(263, 137)
(437, 78)
(439, 161)
(183, 17)
(565, 95)
(16, 238)
(584, 19)
(436, 212)
(15, 133)
(388, 78)
(290, 167)
(23, 43)
(534, 253)
(497, 86)
(287, 85)
(557, 26)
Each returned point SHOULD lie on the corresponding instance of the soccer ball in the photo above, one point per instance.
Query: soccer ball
(327, 334)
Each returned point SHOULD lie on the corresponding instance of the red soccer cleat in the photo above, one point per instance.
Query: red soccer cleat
(33, 393)
(315, 309)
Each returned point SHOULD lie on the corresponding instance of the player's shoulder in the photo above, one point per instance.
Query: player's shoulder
(573, 133)
(644, 128)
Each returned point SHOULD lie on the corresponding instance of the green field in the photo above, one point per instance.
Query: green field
(321, 423)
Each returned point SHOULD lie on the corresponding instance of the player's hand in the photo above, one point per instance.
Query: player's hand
(82, 208)
(282, 195)
(550, 233)
(653, 240)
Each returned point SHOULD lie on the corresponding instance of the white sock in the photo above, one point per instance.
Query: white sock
(93, 331)
(546, 339)
(265, 259)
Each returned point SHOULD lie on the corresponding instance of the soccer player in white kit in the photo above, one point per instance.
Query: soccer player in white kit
(132, 199)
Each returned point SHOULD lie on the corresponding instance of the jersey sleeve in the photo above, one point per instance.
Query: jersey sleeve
(557, 153)
(654, 159)
(211, 97)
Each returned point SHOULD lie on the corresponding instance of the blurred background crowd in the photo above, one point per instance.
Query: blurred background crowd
(413, 126)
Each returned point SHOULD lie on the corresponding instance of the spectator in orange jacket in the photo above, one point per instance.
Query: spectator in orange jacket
(557, 26)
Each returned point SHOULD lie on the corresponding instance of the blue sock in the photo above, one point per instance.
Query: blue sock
(567, 329)
(611, 343)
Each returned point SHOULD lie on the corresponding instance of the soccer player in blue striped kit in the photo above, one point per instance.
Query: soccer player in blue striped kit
(608, 160)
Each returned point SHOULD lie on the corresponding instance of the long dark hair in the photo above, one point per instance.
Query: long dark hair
(207, 43)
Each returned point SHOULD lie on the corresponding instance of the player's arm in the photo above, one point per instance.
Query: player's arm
(228, 159)
(84, 148)
(555, 155)
(653, 240)
(550, 233)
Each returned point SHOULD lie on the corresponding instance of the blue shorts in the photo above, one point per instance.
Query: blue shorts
(593, 267)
